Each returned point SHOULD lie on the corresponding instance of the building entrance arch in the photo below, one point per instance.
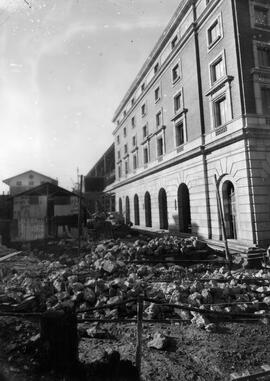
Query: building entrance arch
(163, 209)
(127, 210)
(184, 214)
(148, 211)
(120, 206)
(229, 207)
(136, 210)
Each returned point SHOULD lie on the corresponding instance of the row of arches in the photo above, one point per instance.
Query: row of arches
(184, 210)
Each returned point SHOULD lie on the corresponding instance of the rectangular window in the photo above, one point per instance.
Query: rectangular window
(220, 112)
(124, 113)
(263, 55)
(174, 42)
(156, 67)
(118, 155)
(143, 110)
(145, 131)
(119, 171)
(175, 73)
(145, 155)
(158, 119)
(177, 102)
(134, 161)
(134, 141)
(214, 32)
(157, 94)
(217, 69)
(261, 16)
(118, 139)
(133, 122)
(125, 132)
(179, 134)
(125, 148)
(126, 167)
(18, 183)
(266, 100)
(160, 146)
(142, 87)
(31, 183)
(132, 101)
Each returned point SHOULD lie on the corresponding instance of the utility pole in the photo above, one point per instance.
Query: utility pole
(80, 216)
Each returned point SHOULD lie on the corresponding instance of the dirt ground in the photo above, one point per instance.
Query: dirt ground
(194, 354)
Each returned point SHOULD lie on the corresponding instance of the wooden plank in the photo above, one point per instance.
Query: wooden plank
(246, 376)
(9, 256)
(265, 367)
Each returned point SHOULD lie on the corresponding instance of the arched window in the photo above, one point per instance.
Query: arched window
(148, 211)
(120, 206)
(163, 210)
(136, 210)
(229, 207)
(184, 209)
(127, 210)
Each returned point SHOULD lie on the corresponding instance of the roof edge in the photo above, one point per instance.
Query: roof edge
(152, 56)
(23, 173)
(40, 186)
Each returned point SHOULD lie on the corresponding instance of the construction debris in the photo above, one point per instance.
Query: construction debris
(103, 283)
(106, 275)
(159, 341)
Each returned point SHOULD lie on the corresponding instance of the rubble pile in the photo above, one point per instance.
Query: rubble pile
(107, 276)
(168, 245)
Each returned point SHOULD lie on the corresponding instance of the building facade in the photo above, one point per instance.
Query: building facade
(199, 109)
(27, 180)
(43, 212)
(100, 176)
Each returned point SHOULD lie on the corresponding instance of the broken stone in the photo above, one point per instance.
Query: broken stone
(68, 304)
(200, 321)
(109, 266)
(211, 328)
(195, 299)
(115, 299)
(98, 333)
(196, 287)
(77, 286)
(159, 341)
(59, 285)
(152, 311)
(89, 295)
(184, 315)
(266, 300)
(206, 297)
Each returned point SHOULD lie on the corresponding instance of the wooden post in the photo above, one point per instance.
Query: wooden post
(80, 216)
(58, 332)
(139, 333)
(220, 212)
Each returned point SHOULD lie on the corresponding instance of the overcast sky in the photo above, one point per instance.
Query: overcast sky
(64, 67)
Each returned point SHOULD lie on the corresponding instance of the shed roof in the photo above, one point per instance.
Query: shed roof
(7, 181)
(46, 189)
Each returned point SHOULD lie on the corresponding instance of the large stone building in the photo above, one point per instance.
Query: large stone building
(200, 107)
